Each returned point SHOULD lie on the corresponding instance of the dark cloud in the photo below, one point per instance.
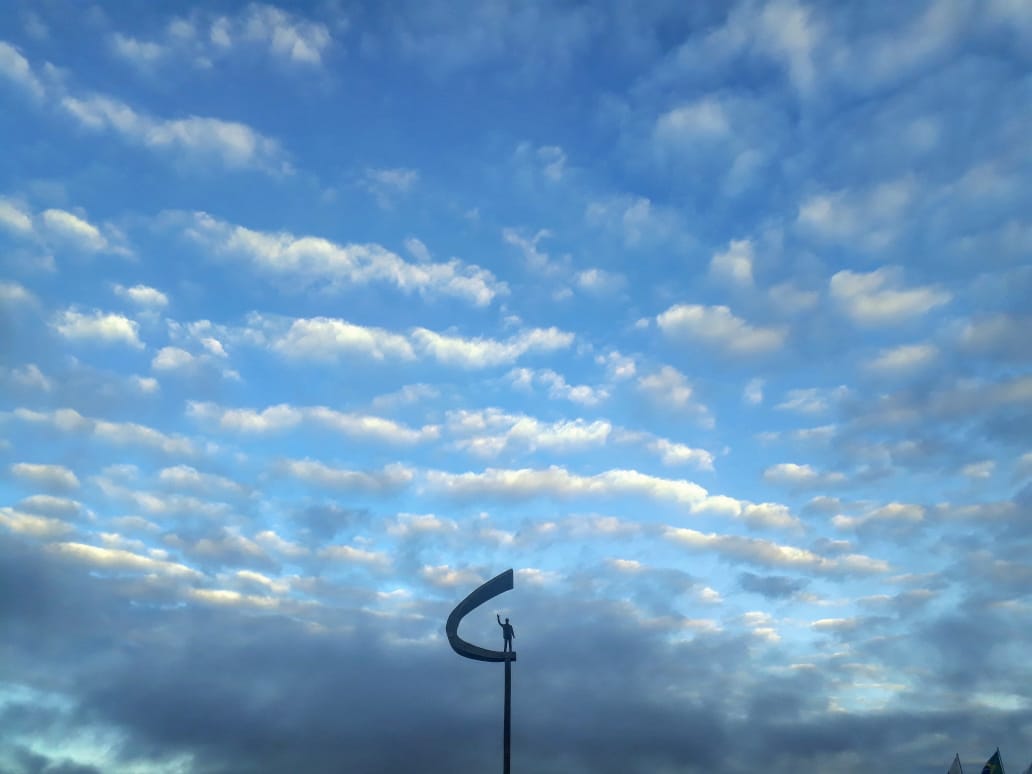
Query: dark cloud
(771, 586)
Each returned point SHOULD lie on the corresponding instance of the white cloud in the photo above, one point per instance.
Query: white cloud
(553, 161)
(57, 507)
(599, 282)
(30, 524)
(775, 555)
(172, 359)
(284, 416)
(704, 118)
(314, 261)
(28, 376)
(790, 299)
(387, 184)
(145, 384)
(120, 559)
(106, 328)
(164, 504)
(446, 577)
(673, 453)
(584, 394)
(14, 293)
(490, 432)
(903, 359)
(870, 217)
(139, 52)
(53, 477)
(635, 218)
(718, 327)
(890, 512)
(142, 295)
(813, 400)
(327, 338)
(73, 230)
(356, 555)
(185, 477)
(877, 298)
(558, 482)
(122, 433)
(618, 366)
(232, 143)
(482, 352)
(16, 68)
(388, 479)
(800, 476)
(285, 35)
(670, 388)
(14, 217)
(734, 265)
(979, 470)
(753, 392)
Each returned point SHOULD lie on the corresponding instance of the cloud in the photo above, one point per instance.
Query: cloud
(492, 432)
(231, 143)
(325, 338)
(120, 433)
(17, 69)
(187, 478)
(877, 298)
(699, 120)
(204, 39)
(388, 184)
(1002, 336)
(73, 230)
(735, 265)
(28, 376)
(95, 556)
(389, 479)
(765, 553)
(599, 282)
(142, 295)
(673, 453)
(47, 476)
(717, 327)
(14, 217)
(32, 525)
(669, 387)
(870, 218)
(798, 476)
(484, 353)
(813, 400)
(102, 327)
(558, 482)
(903, 359)
(889, 513)
(584, 394)
(314, 262)
(285, 416)
(753, 392)
(15, 293)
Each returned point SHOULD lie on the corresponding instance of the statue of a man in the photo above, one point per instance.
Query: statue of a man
(507, 633)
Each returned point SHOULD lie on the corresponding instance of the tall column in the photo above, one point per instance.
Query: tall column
(508, 703)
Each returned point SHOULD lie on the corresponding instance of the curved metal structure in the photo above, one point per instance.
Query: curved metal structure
(489, 590)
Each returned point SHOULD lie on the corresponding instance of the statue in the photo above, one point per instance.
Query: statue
(492, 588)
(507, 633)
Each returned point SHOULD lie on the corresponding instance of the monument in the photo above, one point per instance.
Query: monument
(489, 590)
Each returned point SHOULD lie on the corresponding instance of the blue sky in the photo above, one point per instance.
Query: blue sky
(712, 322)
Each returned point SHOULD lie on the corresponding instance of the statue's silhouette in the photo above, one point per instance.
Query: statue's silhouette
(507, 633)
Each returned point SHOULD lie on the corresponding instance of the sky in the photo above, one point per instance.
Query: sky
(710, 320)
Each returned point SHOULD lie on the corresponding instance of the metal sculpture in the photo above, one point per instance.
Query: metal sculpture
(489, 590)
